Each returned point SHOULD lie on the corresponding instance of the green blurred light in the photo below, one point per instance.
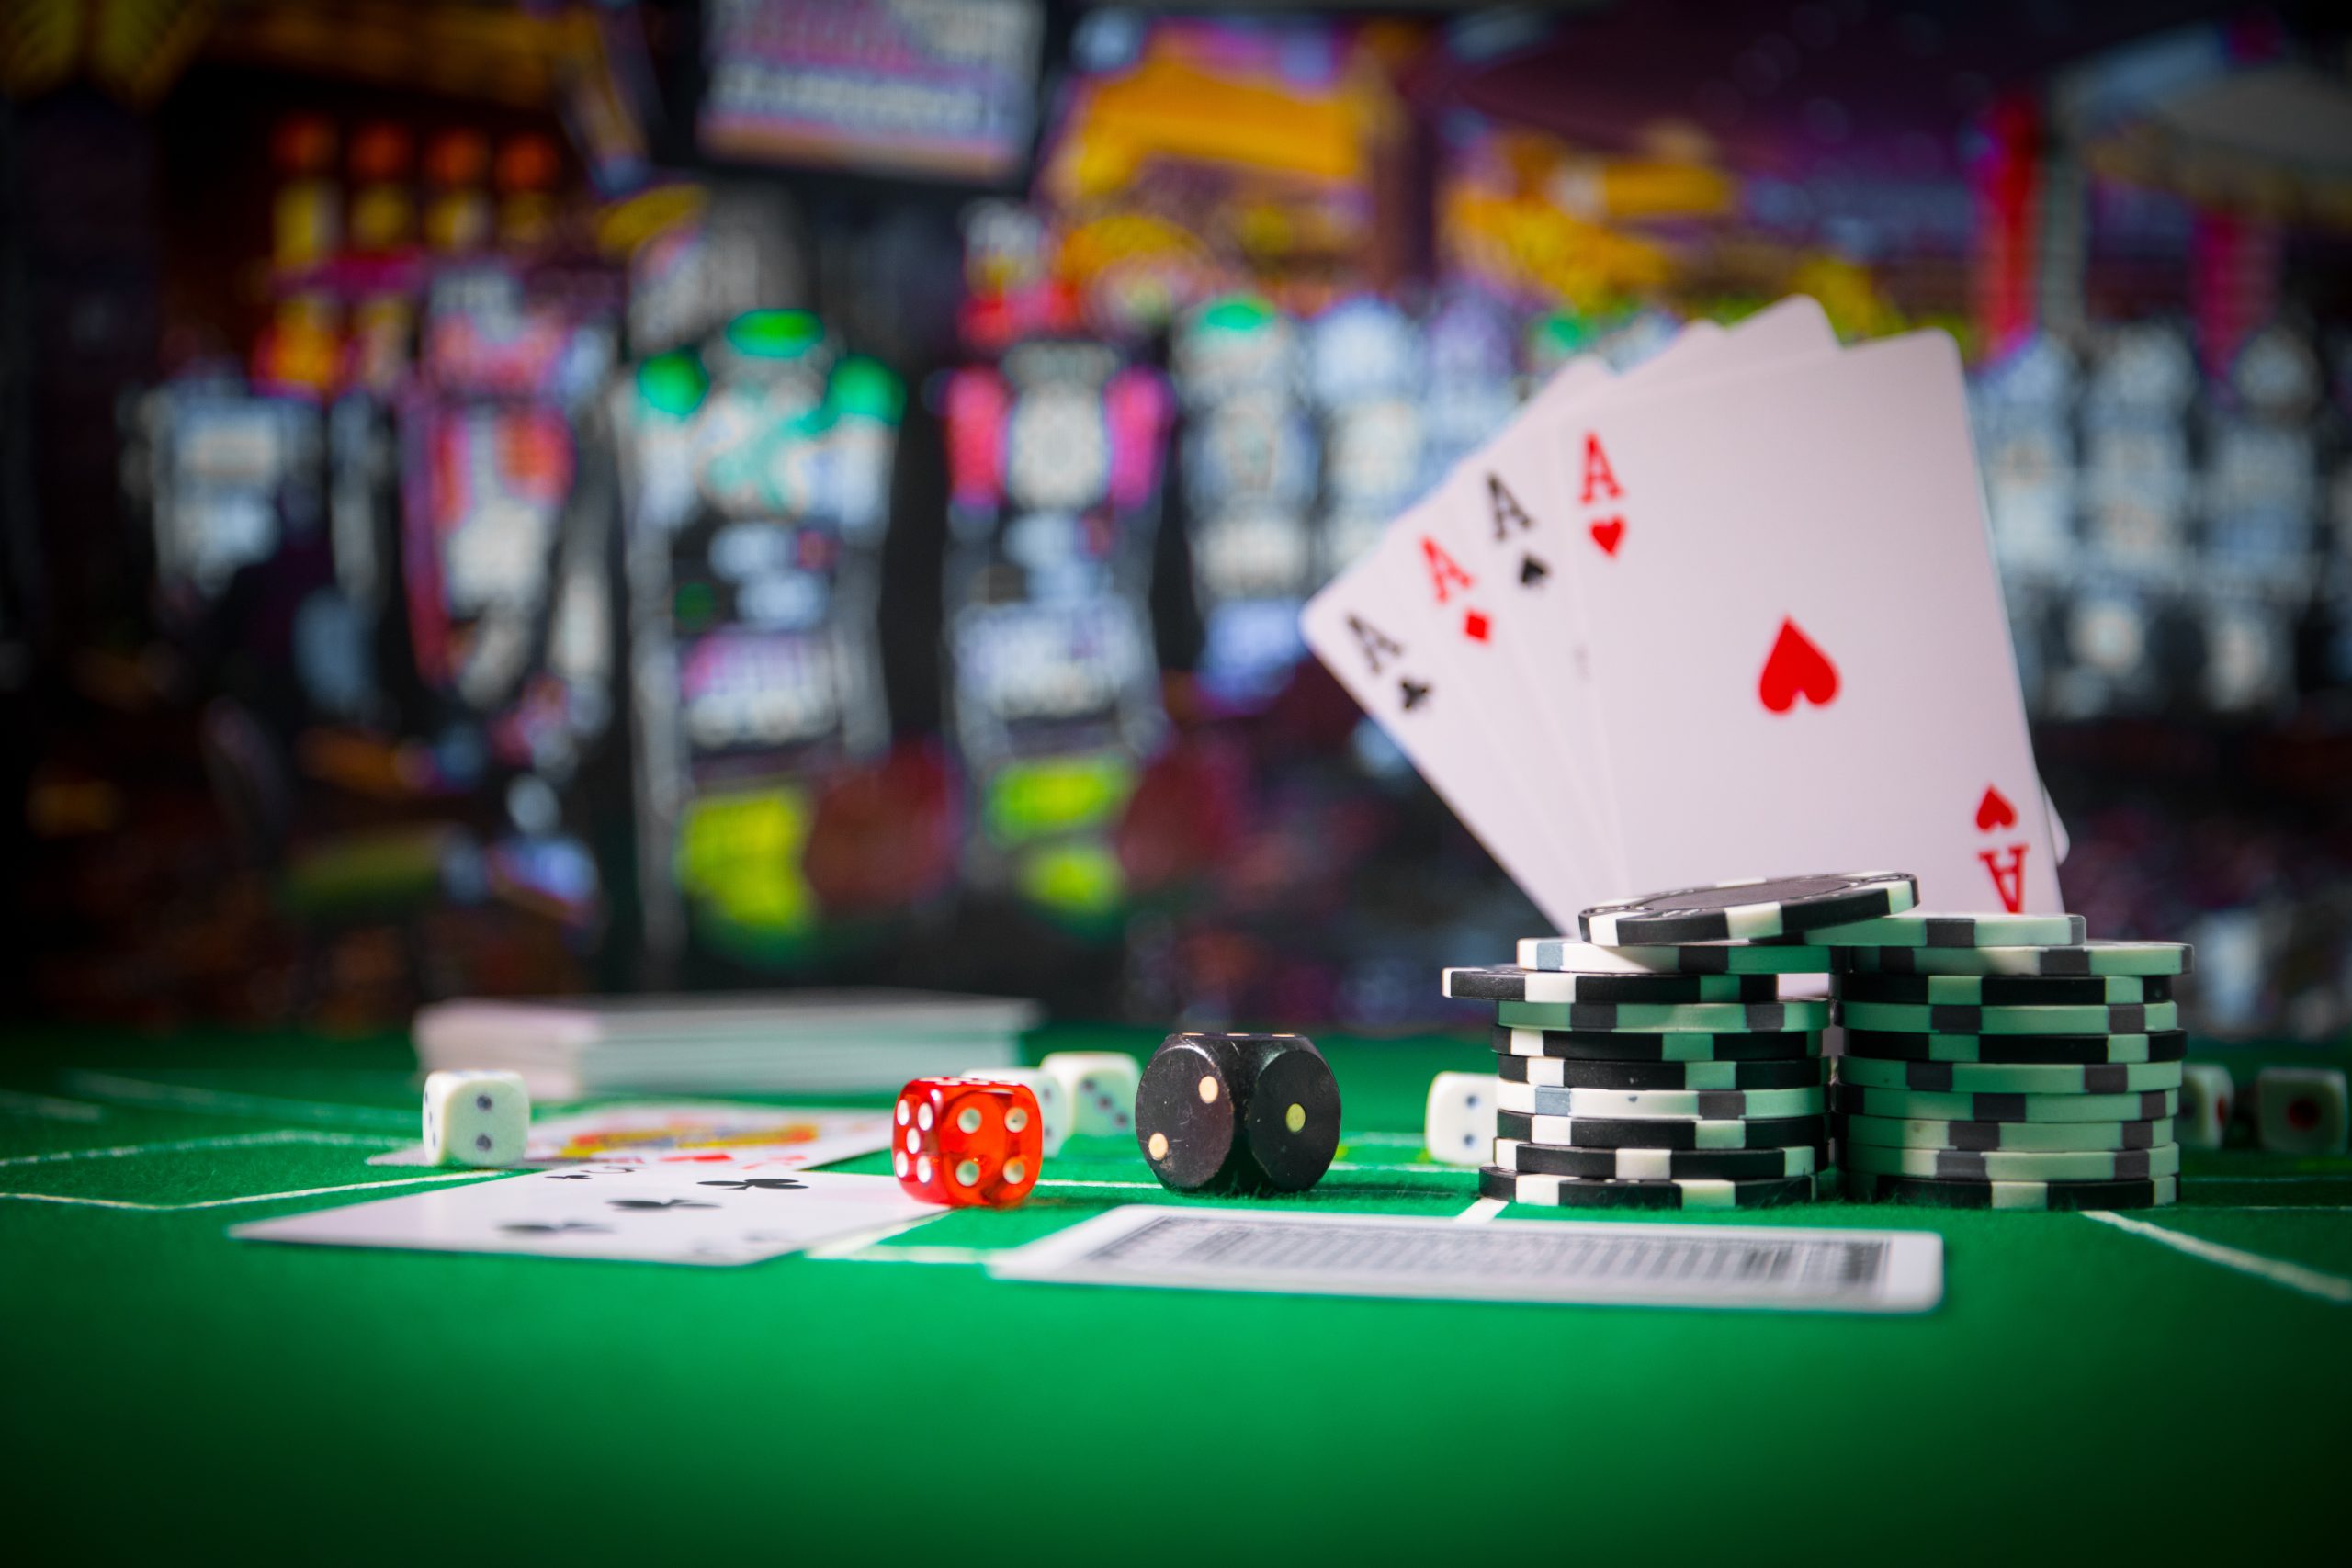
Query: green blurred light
(1074, 878)
(773, 334)
(1057, 795)
(863, 389)
(672, 384)
(1237, 313)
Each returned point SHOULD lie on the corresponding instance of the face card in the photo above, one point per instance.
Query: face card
(687, 1133)
(633, 1213)
(1800, 652)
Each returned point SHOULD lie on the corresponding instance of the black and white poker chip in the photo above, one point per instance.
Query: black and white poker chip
(1656, 1164)
(1688, 1133)
(1570, 1192)
(1517, 985)
(1758, 910)
(1559, 1072)
(1664, 1045)
(2006, 990)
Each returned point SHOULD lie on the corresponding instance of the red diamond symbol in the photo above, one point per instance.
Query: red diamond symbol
(1474, 627)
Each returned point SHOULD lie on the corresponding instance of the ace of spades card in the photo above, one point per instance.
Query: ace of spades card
(633, 1213)
(1799, 652)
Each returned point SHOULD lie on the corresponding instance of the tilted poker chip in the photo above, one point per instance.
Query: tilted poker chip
(1757, 910)
(1923, 928)
(1568, 955)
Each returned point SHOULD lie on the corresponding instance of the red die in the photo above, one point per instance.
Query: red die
(963, 1143)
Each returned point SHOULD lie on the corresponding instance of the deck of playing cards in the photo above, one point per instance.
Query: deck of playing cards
(801, 1041)
(1727, 614)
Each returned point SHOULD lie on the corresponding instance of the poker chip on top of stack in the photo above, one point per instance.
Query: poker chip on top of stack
(1675, 1065)
(2008, 1064)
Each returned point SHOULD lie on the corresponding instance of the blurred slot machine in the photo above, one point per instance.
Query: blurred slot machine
(508, 582)
(2332, 653)
(2128, 639)
(2262, 535)
(2024, 411)
(225, 473)
(756, 478)
(1250, 479)
(1054, 458)
(1472, 389)
(1365, 364)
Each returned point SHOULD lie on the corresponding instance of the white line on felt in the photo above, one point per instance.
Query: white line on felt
(49, 1106)
(231, 1202)
(183, 1097)
(1141, 1186)
(2331, 1288)
(1398, 1140)
(1479, 1213)
(187, 1146)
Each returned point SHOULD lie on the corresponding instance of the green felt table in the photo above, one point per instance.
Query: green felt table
(2085, 1391)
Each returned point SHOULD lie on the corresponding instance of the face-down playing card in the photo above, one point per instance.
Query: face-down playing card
(634, 1213)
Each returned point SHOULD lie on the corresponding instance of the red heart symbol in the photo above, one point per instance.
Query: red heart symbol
(1606, 534)
(1994, 811)
(1796, 669)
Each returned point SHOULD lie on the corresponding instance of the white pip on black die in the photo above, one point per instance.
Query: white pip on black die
(1459, 1128)
(476, 1118)
(1100, 1089)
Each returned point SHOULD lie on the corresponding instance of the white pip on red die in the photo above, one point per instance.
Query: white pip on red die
(964, 1143)
(2300, 1110)
(2207, 1095)
(1459, 1126)
(1100, 1089)
(476, 1118)
(1053, 1105)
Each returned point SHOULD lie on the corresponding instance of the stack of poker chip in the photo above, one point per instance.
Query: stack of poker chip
(2005, 1062)
(1666, 1060)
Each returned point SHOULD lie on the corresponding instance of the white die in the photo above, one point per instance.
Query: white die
(476, 1118)
(1460, 1126)
(2301, 1110)
(1100, 1086)
(2207, 1095)
(1053, 1102)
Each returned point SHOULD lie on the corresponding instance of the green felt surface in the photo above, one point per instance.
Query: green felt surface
(2084, 1392)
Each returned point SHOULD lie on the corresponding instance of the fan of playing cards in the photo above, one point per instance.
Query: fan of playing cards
(1731, 612)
